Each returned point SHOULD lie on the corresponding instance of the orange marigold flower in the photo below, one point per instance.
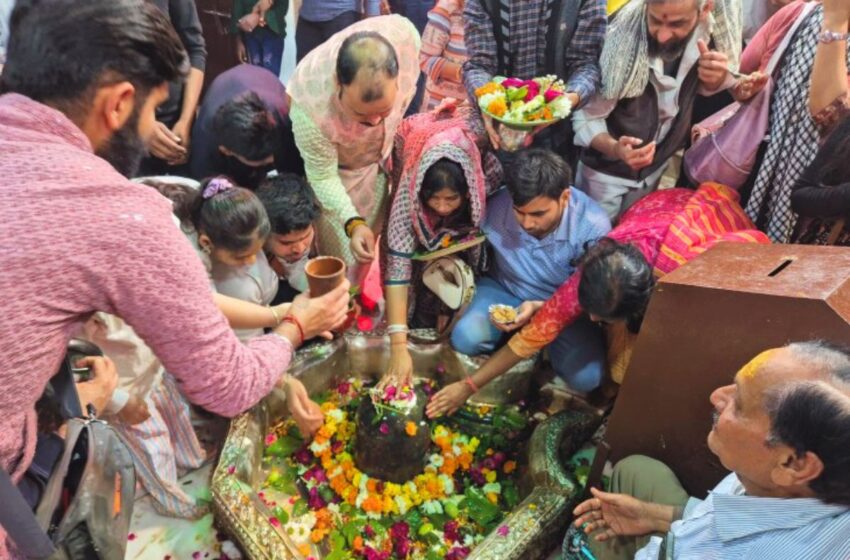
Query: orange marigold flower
(358, 543)
(449, 465)
(410, 428)
(494, 498)
(316, 535)
(489, 87)
(497, 107)
(465, 460)
(304, 549)
(547, 113)
(372, 485)
(373, 504)
(510, 466)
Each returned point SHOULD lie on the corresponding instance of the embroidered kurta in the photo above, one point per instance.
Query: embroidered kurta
(345, 160)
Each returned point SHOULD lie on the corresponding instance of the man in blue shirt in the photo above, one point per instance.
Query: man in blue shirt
(783, 429)
(535, 228)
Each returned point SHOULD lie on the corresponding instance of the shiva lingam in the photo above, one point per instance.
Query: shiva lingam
(390, 447)
(383, 448)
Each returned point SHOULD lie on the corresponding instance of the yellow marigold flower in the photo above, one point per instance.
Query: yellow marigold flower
(497, 107)
(493, 497)
(304, 549)
(410, 429)
(489, 87)
(490, 476)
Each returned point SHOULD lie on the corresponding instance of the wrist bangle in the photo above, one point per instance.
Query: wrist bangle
(352, 224)
(397, 328)
(297, 323)
(275, 315)
(471, 384)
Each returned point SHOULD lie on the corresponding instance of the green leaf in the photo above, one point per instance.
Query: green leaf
(479, 507)
(337, 541)
(281, 515)
(352, 530)
(284, 446)
(510, 494)
(517, 94)
(300, 508)
(414, 520)
(326, 493)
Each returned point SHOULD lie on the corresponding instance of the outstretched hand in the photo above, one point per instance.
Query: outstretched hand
(616, 515)
(448, 400)
(400, 371)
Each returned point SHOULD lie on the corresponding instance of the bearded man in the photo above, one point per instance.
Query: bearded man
(658, 55)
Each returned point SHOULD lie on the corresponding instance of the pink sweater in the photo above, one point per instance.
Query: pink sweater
(77, 237)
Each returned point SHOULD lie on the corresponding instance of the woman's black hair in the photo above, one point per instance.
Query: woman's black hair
(443, 174)
(233, 218)
(616, 282)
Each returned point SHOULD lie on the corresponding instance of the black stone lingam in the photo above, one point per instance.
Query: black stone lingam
(389, 453)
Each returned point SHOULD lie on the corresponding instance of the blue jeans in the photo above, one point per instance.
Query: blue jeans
(577, 355)
(265, 48)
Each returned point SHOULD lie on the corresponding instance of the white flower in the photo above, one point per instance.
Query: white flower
(492, 487)
(432, 507)
(448, 484)
(435, 460)
(402, 504)
(317, 448)
(337, 415)
(561, 107)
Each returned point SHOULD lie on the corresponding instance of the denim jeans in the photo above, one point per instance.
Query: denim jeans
(265, 48)
(577, 355)
(311, 34)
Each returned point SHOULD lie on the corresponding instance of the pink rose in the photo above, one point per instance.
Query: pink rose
(513, 82)
(552, 95)
(385, 428)
(533, 90)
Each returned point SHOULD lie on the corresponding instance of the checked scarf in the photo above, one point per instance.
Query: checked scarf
(793, 139)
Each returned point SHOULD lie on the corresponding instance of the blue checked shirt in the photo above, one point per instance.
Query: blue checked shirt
(526, 41)
(729, 525)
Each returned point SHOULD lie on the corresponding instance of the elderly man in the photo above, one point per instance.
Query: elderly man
(658, 56)
(783, 429)
(348, 97)
(529, 38)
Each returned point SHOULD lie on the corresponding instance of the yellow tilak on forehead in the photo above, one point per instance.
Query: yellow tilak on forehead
(749, 371)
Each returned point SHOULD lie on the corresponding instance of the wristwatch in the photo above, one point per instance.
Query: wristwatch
(827, 36)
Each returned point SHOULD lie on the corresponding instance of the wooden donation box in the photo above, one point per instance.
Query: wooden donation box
(705, 321)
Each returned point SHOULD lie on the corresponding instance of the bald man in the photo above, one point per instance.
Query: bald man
(348, 97)
(783, 429)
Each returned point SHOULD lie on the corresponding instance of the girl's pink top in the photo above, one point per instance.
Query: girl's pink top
(77, 237)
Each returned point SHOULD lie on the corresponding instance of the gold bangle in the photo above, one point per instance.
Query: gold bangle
(275, 315)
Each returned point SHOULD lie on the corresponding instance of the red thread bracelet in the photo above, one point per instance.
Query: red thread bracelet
(297, 323)
(471, 384)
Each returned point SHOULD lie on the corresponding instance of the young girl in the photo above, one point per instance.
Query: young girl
(227, 226)
(440, 195)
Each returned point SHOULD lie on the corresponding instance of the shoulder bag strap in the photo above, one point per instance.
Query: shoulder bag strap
(777, 55)
(20, 523)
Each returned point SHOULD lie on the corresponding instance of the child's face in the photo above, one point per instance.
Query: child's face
(293, 246)
(445, 202)
(238, 259)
